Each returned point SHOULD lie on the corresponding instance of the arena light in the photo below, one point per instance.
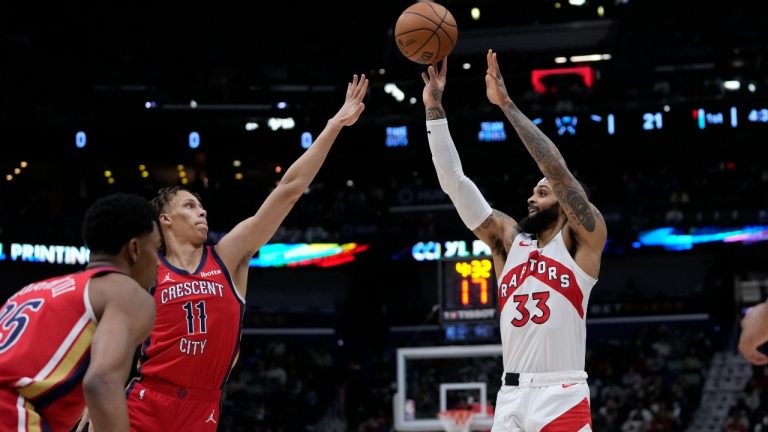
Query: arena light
(251, 126)
(732, 85)
(538, 76)
(394, 90)
(576, 2)
(590, 58)
(276, 123)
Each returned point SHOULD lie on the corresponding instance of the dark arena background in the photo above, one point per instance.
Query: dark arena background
(660, 108)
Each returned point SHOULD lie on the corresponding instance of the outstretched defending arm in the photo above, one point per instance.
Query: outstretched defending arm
(239, 245)
(491, 226)
(754, 333)
(583, 218)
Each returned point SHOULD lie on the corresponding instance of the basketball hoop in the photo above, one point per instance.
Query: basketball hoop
(457, 420)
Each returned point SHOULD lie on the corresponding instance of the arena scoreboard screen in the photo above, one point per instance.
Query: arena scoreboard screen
(467, 289)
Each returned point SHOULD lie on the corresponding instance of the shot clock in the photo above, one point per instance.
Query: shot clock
(467, 289)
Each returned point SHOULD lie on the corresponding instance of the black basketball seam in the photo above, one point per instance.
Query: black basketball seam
(448, 36)
(423, 16)
(453, 44)
(439, 27)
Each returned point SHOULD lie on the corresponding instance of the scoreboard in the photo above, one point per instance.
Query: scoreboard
(467, 290)
(687, 119)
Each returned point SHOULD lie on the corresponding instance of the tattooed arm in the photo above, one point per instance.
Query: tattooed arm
(584, 219)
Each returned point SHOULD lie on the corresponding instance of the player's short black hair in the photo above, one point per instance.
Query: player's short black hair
(165, 196)
(114, 220)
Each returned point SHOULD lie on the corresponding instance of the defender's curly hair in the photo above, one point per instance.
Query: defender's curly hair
(114, 220)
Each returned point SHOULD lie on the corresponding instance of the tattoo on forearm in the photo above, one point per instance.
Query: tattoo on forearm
(539, 146)
(577, 202)
(435, 113)
(554, 168)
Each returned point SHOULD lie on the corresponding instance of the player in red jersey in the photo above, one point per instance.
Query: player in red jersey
(69, 340)
(200, 293)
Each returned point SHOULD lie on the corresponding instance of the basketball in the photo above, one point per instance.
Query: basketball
(426, 32)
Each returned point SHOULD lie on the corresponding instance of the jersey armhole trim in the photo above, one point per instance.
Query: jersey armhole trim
(87, 302)
(226, 274)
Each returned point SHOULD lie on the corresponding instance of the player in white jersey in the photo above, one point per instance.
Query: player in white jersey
(546, 265)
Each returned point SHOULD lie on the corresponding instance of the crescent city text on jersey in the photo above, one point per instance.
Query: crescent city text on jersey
(191, 288)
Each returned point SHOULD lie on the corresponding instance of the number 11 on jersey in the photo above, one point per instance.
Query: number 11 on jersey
(200, 306)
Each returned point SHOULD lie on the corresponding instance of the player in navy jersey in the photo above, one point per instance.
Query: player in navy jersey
(70, 339)
(546, 265)
(200, 292)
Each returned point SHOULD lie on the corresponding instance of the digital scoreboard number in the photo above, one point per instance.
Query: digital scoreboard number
(467, 290)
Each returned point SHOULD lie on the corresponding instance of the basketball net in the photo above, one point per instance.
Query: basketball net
(457, 420)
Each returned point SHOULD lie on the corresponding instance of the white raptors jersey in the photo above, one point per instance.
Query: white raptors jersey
(543, 299)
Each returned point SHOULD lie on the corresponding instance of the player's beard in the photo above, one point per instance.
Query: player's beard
(540, 220)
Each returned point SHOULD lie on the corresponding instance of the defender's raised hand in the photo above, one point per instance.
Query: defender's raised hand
(353, 104)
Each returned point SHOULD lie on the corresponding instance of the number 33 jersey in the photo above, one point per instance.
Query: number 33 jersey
(543, 298)
(196, 338)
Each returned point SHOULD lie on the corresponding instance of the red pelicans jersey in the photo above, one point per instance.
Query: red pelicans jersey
(45, 340)
(543, 299)
(196, 338)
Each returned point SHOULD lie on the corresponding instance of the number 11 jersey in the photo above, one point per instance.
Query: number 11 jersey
(196, 338)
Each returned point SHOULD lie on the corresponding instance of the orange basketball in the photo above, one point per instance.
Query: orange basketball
(426, 32)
